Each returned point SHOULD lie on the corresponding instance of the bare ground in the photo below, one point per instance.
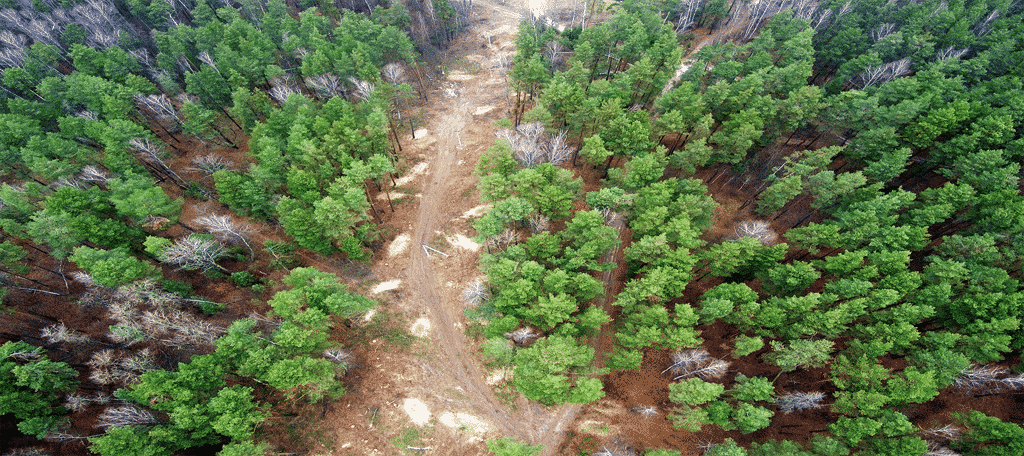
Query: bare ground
(443, 369)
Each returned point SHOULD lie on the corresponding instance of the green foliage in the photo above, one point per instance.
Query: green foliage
(30, 385)
(625, 359)
(545, 372)
(511, 446)
(727, 448)
(800, 353)
(694, 391)
(988, 435)
(689, 418)
(499, 351)
(750, 389)
(111, 268)
(746, 345)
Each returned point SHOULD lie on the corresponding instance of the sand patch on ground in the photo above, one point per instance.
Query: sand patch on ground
(499, 375)
(459, 240)
(398, 245)
(476, 211)
(463, 421)
(483, 110)
(417, 411)
(421, 328)
(385, 286)
(460, 76)
(420, 168)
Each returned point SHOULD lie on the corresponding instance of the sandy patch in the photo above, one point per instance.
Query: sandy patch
(421, 328)
(464, 242)
(460, 76)
(494, 81)
(483, 110)
(476, 211)
(417, 411)
(369, 315)
(420, 168)
(395, 195)
(385, 286)
(463, 421)
(398, 245)
(499, 375)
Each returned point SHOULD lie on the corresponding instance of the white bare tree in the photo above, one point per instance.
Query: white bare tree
(194, 252)
(206, 58)
(538, 223)
(688, 10)
(76, 402)
(645, 411)
(882, 31)
(152, 153)
(522, 336)
(756, 229)
(94, 175)
(476, 293)
(393, 72)
(530, 148)
(281, 92)
(696, 363)
(984, 25)
(210, 163)
(883, 73)
(980, 376)
(228, 230)
(61, 333)
(160, 105)
(799, 401)
(559, 152)
(326, 85)
(952, 52)
(361, 89)
(343, 359)
(128, 415)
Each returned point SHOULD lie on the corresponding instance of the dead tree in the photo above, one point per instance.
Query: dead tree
(152, 156)
(228, 230)
(194, 252)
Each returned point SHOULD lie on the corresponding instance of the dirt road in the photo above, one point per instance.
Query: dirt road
(461, 139)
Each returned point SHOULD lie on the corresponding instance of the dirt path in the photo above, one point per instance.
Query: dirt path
(531, 421)
(459, 123)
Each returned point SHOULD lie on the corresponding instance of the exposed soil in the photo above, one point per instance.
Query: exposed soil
(444, 371)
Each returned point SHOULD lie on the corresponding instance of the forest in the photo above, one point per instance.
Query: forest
(871, 148)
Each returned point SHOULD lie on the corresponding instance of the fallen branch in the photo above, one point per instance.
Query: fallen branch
(427, 249)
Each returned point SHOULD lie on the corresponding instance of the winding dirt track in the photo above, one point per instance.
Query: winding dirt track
(531, 421)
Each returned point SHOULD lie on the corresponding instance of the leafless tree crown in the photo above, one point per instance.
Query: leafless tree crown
(227, 229)
(194, 252)
(210, 163)
(696, 363)
(523, 336)
(476, 293)
(756, 229)
(799, 401)
(883, 73)
(128, 415)
(61, 333)
(531, 149)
